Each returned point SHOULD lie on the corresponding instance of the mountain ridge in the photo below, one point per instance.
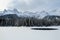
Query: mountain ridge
(38, 15)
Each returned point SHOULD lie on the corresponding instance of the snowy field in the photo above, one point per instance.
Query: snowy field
(26, 33)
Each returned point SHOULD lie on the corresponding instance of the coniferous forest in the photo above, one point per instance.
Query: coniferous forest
(14, 20)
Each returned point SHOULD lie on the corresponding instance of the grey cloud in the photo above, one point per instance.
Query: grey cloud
(35, 4)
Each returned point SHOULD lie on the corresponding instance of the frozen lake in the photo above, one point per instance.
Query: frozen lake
(25, 33)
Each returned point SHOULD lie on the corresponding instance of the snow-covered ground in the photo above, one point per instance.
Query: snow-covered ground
(25, 33)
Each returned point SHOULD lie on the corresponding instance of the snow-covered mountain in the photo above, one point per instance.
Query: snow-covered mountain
(1, 13)
(42, 14)
(38, 15)
(55, 12)
(14, 11)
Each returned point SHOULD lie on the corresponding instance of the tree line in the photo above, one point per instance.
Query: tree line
(29, 21)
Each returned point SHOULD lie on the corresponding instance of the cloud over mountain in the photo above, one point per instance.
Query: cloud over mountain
(34, 5)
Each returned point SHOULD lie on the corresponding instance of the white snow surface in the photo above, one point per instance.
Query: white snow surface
(25, 33)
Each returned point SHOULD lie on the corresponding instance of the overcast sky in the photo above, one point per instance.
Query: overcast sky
(32, 5)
